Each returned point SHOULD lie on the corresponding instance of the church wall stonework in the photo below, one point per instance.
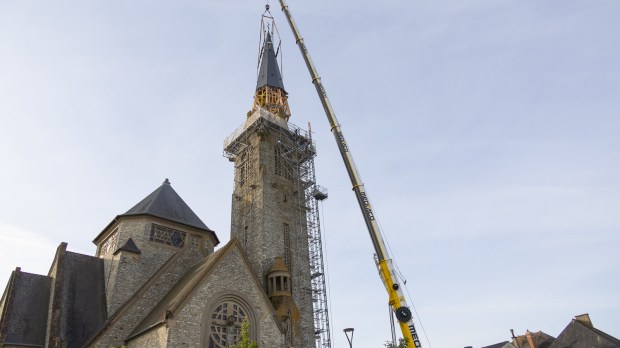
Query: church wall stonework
(155, 338)
(143, 302)
(128, 271)
(230, 276)
(265, 203)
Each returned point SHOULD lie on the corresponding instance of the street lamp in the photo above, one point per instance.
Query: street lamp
(346, 333)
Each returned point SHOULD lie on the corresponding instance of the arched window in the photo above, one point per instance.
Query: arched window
(224, 320)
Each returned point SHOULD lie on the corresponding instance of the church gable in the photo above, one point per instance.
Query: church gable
(207, 307)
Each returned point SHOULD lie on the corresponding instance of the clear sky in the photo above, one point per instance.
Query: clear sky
(486, 132)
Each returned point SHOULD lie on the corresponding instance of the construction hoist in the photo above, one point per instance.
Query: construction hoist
(384, 262)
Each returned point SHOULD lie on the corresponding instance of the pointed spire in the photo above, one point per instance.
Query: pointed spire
(269, 72)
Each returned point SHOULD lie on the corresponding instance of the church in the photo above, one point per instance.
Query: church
(157, 279)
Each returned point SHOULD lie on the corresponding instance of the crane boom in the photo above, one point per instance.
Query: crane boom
(384, 262)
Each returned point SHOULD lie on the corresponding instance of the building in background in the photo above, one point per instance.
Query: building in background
(580, 333)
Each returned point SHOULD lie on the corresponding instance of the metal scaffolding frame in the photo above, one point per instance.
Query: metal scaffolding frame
(297, 152)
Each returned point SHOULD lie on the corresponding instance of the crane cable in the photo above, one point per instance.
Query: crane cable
(404, 282)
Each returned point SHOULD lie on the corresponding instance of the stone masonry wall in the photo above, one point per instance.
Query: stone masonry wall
(261, 207)
(145, 299)
(156, 338)
(126, 272)
(229, 276)
(129, 271)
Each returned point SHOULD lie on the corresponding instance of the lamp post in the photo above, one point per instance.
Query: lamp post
(350, 339)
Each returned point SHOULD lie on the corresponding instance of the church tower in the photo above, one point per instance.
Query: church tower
(274, 181)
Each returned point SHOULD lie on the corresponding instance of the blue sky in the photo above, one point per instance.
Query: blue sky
(486, 133)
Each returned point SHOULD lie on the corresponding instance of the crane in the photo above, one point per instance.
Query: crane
(384, 261)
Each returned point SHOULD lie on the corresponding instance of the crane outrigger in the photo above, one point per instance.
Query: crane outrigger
(384, 261)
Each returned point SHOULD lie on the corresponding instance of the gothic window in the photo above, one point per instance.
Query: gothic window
(109, 245)
(282, 165)
(287, 244)
(245, 167)
(168, 236)
(225, 324)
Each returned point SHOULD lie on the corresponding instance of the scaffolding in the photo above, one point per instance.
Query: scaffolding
(295, 152)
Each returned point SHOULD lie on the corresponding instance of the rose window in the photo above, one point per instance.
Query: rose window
(225, 324)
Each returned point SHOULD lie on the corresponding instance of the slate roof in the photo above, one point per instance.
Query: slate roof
(130, 246)
(80, 287)
(500, 345)
(78, 303)
(269, 72)
(24, 317)
(579, 335)
(166, 203)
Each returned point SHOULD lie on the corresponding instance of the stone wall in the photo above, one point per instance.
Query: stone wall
(229, 277)
(155, 338)
(262, 204)
(124, 321)
(126, 272)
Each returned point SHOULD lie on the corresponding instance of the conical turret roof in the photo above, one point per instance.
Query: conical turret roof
(166, 203)
(269, 72)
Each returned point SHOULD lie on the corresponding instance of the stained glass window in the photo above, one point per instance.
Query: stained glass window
(168, 236)
(225, 324)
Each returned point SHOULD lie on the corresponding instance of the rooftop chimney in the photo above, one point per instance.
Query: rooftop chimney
(585, 320)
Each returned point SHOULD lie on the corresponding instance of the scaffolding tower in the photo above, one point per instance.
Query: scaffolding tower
(296, 161)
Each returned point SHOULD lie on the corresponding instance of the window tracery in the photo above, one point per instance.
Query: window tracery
(168, 236)
(225, 324)
(109, 245)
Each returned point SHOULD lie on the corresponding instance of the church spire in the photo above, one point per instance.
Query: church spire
(270, 94)
(269, 72)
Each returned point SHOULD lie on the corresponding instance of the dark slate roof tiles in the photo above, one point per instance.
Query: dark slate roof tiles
(25, 311)
(269, 72)
(130, 246)
(165, 203)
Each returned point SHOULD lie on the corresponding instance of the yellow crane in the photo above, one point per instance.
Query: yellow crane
(384, 262)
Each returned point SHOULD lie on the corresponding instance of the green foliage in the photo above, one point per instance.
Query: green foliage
(244, 340)
(402, 343)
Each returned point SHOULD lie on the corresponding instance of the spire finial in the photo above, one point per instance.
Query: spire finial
(166, 182)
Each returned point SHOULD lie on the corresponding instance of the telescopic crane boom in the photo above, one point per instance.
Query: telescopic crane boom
(384, 262)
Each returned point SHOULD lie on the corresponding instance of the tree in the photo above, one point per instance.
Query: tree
(244, 340)
(402, 343)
